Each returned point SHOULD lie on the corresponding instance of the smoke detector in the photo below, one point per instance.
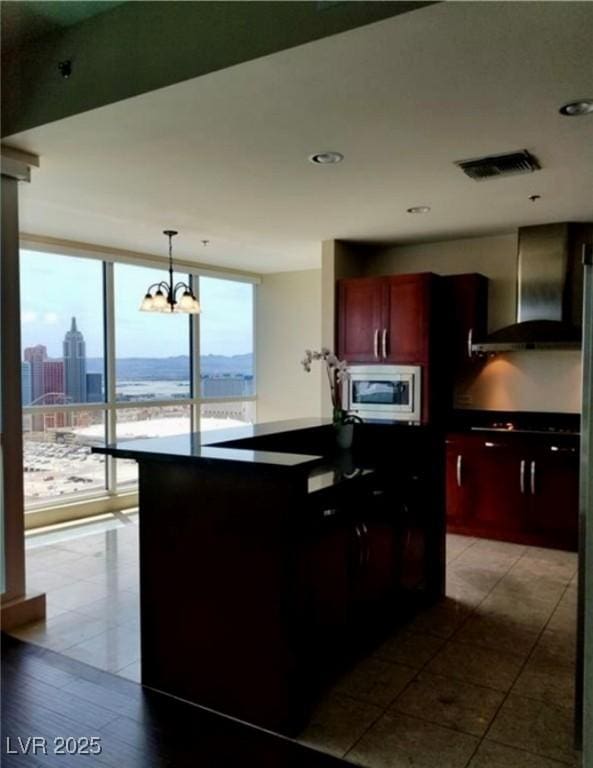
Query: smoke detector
(492, 166)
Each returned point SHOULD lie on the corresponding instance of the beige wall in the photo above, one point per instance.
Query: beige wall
(338, 259)
(495, 257)
(529, 381)
(288, 321)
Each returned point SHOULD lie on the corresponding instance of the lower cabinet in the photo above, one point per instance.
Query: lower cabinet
(554, 495)
(364, 559)
(374, 562)
(514, 487)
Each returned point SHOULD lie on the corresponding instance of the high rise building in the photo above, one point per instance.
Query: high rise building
(53, 392)
(36, 356)
(94, 387)
(53, 381)
(26, 383)
(75, 364)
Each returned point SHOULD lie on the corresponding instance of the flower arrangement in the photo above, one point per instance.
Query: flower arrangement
(337, 371)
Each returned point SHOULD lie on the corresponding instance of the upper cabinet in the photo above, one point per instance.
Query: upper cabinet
(361, 311)
(466, 302)
(408, 308)
(421, 319)
(385, 319)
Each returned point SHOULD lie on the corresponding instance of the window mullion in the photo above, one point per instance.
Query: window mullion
(111, 415)
(195, 359)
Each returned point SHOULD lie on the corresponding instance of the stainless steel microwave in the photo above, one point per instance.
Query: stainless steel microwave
(384, 392)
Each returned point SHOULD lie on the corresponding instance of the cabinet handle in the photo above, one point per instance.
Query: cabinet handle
(522, 476)
(532, 477)
(470, 339)
(459, 467)
(376, 343)
(367, 549)
(358, 532)
(384, 343)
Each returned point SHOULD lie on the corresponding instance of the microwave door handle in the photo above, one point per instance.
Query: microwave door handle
(384, 343)
(376, 343)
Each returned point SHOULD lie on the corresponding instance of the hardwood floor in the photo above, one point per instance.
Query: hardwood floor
(48, 695)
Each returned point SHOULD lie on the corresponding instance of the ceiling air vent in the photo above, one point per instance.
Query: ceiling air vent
(499, 165)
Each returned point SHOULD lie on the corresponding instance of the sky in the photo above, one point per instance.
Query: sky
(55, 288)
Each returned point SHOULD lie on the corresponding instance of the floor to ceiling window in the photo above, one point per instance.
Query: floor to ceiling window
(95, 368)
(226, 353)
(62, 376)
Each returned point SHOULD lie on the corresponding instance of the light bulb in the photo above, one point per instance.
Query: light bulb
(195, 310)
(186, 302)
(147, 304)
(159, 301)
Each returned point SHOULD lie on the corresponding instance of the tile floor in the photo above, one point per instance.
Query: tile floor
(90, 576)
(483, 680)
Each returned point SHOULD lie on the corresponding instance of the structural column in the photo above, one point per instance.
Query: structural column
(17, 607)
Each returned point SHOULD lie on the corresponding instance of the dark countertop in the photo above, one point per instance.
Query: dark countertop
(205, 447)
(312, 449)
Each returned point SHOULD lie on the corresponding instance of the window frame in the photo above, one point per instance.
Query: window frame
(110, 406)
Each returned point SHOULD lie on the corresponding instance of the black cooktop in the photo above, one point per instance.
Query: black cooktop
(530, 422)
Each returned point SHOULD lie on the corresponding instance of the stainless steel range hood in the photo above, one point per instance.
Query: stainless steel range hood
(549, 291)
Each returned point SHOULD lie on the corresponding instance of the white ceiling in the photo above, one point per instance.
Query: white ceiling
(224, 157)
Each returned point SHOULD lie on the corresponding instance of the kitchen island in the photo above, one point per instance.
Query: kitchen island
(269, 558)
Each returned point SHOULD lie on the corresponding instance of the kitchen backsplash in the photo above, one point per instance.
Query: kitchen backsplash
(547, 381)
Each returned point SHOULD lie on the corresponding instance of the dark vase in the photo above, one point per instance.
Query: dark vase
(344, 434)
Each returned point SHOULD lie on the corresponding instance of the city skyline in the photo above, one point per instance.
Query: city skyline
(54, 381)
(51, 381)
(226, 321)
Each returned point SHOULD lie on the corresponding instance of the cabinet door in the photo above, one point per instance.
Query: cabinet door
(457, 498)
(361, 311)
(405, 337)
(490, 488)
(553, 479)
(498, 489)
(324, 579)
(466, 315)
(376, 560)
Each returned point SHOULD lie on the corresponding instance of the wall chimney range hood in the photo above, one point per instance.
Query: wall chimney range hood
(549, 291)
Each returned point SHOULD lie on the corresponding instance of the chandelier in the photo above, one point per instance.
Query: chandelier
(165, 297)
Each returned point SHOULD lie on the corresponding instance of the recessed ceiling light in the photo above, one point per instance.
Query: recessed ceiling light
(326, 158)
(577, 108)
(419, 209)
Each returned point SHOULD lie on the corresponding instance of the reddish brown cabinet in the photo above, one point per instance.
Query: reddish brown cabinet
(361, 311)
(483, 485)
(408, 306)
(385, 319)
(418, 319)
(466, 302)
(552, 479)
(513, 487)
(376, 555)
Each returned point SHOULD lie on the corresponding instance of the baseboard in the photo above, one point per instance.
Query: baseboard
(22, 610)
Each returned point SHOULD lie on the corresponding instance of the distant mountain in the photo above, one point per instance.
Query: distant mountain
(174, 368)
